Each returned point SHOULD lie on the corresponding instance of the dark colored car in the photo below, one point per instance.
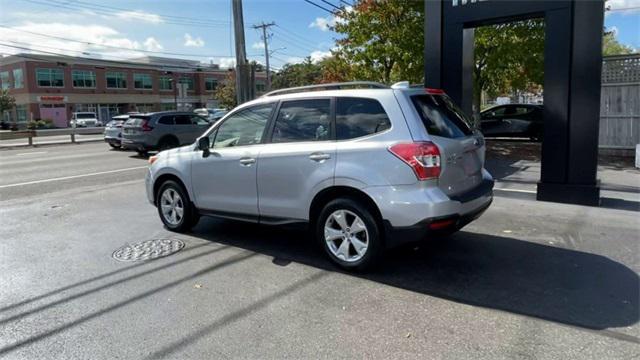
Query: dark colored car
(513, 120)
(162, 130)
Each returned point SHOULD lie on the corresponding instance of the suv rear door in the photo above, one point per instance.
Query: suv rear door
(461, 149)
(299, 158)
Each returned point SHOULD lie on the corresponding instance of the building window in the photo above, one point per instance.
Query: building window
(210, 84)
(260, 87)
(50, 77)
(21, 113)
(167, 106)
(18, 79)
(86, 108)
(142, 81)
(144, 108)
(83, 79)
(166, 83)
(116, 80)
(188, 81)
(4, 80)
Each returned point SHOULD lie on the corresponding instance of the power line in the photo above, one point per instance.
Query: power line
(319, 6)
(109, 46)
(330, 4)
(131, 13)
(296, 35)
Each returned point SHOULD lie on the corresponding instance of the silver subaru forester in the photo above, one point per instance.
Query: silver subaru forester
(366, 166)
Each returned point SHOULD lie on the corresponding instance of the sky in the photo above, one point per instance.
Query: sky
(197, 29)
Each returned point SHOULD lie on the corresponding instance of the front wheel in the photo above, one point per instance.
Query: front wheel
(174, 207)
(349, 234)
(114, 145)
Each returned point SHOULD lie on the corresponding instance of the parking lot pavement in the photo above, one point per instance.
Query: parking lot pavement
(527, 280)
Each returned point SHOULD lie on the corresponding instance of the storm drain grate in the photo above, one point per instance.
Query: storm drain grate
(148, 250)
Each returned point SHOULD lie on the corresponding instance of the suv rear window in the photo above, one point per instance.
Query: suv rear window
(441, 117)
(357, 117)
(136, 120)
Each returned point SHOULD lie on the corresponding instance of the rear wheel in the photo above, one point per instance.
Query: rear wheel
(174, 207)
(349, 234)
(115, 146)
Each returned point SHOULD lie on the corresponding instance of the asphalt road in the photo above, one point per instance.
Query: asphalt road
(528, 280)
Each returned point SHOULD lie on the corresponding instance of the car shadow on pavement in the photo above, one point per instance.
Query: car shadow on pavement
(546, 282)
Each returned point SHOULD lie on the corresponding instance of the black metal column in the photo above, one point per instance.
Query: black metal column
(573, 61)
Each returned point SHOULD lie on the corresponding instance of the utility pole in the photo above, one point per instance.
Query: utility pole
(242, 70)
(264, 28)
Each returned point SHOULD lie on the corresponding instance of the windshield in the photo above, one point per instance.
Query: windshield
(85, 116)
(441, 117)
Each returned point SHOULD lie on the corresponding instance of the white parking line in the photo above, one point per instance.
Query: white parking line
(31, 153)
(72, 177)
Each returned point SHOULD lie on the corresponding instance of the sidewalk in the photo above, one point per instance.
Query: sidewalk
(516, 168)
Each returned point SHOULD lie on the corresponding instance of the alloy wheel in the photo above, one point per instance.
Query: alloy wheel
(346, 235)
(172, 206)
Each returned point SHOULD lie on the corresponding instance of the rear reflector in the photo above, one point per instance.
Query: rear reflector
(441, 224)
(422, 156)
(431, 91)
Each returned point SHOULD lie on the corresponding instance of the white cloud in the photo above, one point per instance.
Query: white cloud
(319, 55)
(189, 41)
(140, 15)
(294, 60)
(621, 6)
(151, 44)
(96, 34)
(227, 62)
(324, 24)
(258, 45)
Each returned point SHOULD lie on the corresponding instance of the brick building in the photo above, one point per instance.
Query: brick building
(53, 87)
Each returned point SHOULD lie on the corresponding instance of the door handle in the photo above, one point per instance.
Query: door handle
(247, 161)
(319, 156)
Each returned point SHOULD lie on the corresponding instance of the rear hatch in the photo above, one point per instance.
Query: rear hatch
(136, 125)
(461, 148)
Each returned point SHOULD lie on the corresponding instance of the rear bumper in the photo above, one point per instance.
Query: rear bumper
(415, 214)
(135, 145)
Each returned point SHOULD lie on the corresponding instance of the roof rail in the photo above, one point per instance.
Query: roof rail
(331, 86)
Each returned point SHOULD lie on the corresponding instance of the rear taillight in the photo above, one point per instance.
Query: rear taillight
(422, 156)
(145, 125)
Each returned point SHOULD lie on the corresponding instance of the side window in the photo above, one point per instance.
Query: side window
(521, 110)
(302, 120)
(242, 128)
(356, 117)
(197, 120)
(166, 120)
(499, 111)
(183, 120)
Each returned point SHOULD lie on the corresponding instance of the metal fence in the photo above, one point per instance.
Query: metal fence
(620, 102)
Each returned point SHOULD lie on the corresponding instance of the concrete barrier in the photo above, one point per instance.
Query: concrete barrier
(30, 134)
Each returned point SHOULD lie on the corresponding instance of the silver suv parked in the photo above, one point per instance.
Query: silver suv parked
(367, 169)
(161, 130)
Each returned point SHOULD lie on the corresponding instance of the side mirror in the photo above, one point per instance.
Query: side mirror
(203, 144)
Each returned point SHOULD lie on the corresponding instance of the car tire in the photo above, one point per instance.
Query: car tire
(168, 143)
(115, 146)
(345, 219)
(142, 153)
(175, 208)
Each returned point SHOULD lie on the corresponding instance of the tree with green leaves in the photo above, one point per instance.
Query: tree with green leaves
(225, 93)
(7, 103)
(508, 57)
(382, 40)
(611, 46)
(305, 73)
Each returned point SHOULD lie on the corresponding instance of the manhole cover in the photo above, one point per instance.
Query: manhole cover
(148, 250)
